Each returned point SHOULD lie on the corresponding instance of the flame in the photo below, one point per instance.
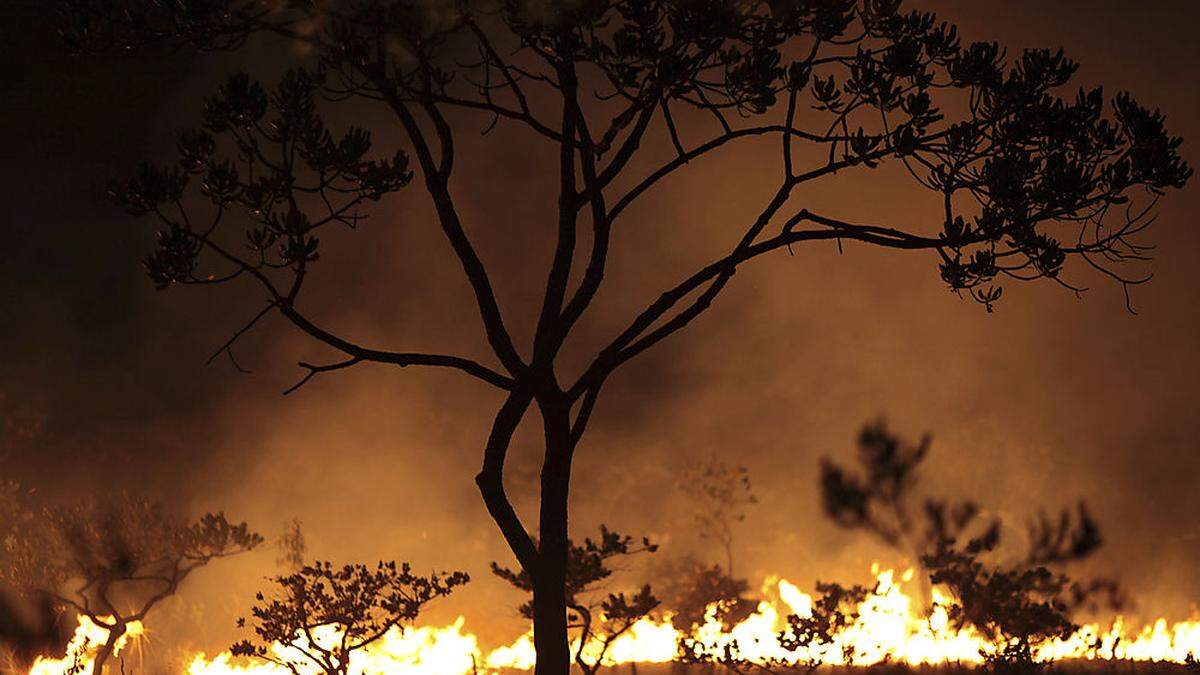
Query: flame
(891, 627)
(425, 650)
(81, 650)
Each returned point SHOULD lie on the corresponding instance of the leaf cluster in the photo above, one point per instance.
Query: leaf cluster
(284, 173)
(989, 132)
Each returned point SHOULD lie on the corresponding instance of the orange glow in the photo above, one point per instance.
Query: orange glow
(81, 650)
(889, 627)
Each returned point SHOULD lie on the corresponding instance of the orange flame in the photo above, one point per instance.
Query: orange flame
(890, 627)
(81, 650)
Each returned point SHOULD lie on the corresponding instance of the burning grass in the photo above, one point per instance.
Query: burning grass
(969, 606)
(887, 633)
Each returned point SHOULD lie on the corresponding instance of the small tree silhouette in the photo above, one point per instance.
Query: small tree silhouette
(110, 561)
(322, 614)
(1014, 608)
(1027, 175)
(597, 617)
(720, 494)
(291, 546)
(1015, 605)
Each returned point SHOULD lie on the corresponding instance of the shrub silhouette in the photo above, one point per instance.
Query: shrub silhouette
(1016, 604)
(322, 614)
(688, 588)
(597, 617)
(112, 560)
(834, 609)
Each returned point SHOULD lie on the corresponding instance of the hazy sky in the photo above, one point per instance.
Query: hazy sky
(1048, 400)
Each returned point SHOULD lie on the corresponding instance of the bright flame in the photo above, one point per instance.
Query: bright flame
(890, 627)
(81, 650)
(417, 651)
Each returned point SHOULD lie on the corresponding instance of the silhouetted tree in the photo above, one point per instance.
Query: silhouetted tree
(720, 494)
(1019, 605)
(598, 617)
(1027, 174)
(882, 498)
(291, 546)
(322, 614)
(1015, 608)
(112, 561)
(1015, 604)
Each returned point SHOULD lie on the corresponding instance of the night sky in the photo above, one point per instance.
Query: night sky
(1049, 400)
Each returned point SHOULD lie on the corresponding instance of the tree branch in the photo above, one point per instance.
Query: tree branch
(314, 370)
(635, 340)
(436, 185)
(402, 359)
(548, 336)
(491, 479)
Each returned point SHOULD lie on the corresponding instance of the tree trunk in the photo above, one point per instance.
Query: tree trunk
(107, 649)
(549, 592)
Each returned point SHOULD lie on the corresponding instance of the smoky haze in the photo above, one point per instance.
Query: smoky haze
(1049, 400)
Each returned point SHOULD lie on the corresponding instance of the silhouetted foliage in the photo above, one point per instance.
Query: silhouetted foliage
(1064, 539)
(719, 493)
(598, 616)
(812, 639)
(689, 587)
(110, 560)
(322, 614)
(882, 498)
(1016, 605)
(1029, 175)
(1014, 608)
